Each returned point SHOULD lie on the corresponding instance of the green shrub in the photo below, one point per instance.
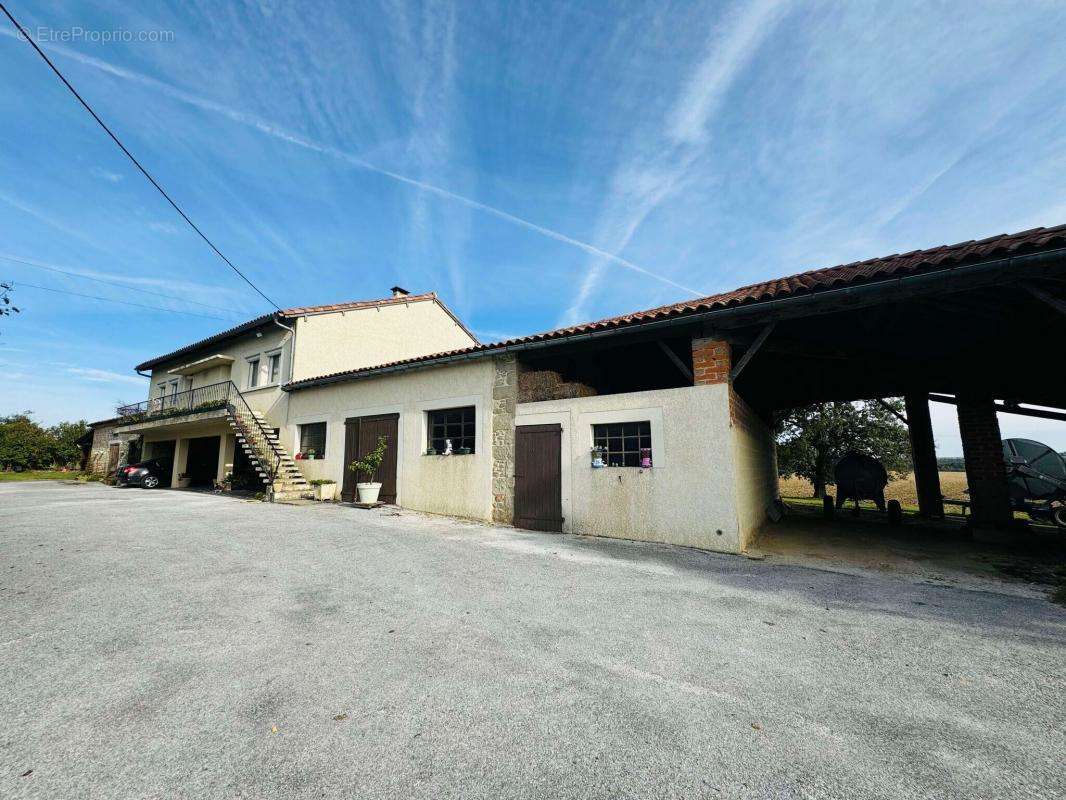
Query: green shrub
(371, 462)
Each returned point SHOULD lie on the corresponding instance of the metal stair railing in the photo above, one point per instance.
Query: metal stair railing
(254, 432)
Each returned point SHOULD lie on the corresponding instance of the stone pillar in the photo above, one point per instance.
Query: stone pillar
(711, 361)
(923, 453)
(504, 400)
(986, 471)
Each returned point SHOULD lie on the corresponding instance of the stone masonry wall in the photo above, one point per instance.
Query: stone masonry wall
(504, 400)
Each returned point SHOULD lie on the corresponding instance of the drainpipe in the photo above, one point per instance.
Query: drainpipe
(292, 357)
(292, 350)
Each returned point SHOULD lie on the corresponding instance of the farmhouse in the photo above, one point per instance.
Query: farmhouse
(655, 425)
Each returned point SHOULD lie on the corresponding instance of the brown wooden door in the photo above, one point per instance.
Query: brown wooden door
(360, 437)
(538, 479)
(112, 458)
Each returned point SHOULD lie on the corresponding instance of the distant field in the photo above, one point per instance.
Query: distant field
(952, 485)
(39, 475)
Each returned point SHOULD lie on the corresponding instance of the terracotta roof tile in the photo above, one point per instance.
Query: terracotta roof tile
(870, 270)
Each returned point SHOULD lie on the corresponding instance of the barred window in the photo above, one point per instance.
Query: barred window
(623, 442)
(456, 424)
(313, 437)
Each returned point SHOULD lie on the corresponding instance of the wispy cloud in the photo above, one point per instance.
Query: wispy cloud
(279, 132)
(104, 376)
(658, 163)
(46, 218)
(168, 228)
(181, 291)
(105, 175)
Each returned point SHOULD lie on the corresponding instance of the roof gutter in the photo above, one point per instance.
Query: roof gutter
(958, 278)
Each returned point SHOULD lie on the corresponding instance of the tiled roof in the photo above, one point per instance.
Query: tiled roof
(870, 271)
(299, 311)
(244, 327)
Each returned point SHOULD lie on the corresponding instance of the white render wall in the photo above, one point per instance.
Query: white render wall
(456, 485)
(267, 398)
(687, 498)
(367, 337)
(756, 470)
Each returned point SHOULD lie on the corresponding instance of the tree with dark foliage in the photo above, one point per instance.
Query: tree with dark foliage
(811, 440)
(26, 445)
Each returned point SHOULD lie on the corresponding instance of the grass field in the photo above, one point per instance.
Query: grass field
(39, 475)
(952, 485)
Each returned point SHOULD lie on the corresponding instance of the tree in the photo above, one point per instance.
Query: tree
(66, 452)
(24, 444)
(6, 309)
(811, 440)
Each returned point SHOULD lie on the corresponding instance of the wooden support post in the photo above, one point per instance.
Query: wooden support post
(923, 452)
(677, 362)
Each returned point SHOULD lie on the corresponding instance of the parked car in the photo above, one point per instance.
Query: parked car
(150, 474)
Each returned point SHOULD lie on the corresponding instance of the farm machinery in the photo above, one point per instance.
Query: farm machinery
(1036, 478)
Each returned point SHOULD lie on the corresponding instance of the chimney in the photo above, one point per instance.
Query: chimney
(399, 291)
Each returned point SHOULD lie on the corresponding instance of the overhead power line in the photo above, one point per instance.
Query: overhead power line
(25, 35)
(113, 300)
(50, 268)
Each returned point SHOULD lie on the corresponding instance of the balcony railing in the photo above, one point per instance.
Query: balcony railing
(203, 398)
(214, 397)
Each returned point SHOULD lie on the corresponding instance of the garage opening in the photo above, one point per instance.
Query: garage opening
(201, 466)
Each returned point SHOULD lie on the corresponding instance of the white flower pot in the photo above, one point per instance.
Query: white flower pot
(368, 492)
(325, 491)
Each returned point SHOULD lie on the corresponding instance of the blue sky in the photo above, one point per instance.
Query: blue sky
(534, 163)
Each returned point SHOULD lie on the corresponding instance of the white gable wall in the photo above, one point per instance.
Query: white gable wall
(366, 337)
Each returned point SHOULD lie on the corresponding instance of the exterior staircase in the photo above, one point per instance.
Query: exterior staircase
(281, 476)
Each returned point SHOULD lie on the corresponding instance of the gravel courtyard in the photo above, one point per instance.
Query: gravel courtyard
(180, 645)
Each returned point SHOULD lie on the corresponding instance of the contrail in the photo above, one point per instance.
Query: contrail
(278, 132)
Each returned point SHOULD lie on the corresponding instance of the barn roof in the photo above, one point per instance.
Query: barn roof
(805, 283)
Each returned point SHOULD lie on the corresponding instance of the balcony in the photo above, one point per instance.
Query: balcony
(195, 405)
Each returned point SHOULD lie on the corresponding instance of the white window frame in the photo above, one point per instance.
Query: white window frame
(255, 371)
(272, 357)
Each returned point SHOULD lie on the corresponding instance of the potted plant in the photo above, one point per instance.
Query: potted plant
(183, 480)
(310, 456)
(463, 451)
(324, 488)
(431, 451)
(369, 465)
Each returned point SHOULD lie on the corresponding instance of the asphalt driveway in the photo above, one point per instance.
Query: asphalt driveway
(177, 645)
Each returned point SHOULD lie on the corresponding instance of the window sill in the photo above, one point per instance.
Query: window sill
(260, 388)
(449, 455)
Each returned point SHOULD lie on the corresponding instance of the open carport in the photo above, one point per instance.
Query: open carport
(977, 324)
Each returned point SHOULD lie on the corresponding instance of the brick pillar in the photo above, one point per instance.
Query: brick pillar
(923, 453)
(711, 361)
(504, 400)
(986, 472)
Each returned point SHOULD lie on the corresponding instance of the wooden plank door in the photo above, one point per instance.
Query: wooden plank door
(112, 458)
(538, 479)
(360, 437)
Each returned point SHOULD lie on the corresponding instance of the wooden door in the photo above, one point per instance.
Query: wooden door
(538, 479)
(112, 458)
(360, 437)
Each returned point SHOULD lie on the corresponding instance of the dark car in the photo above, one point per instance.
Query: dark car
(150, 474)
